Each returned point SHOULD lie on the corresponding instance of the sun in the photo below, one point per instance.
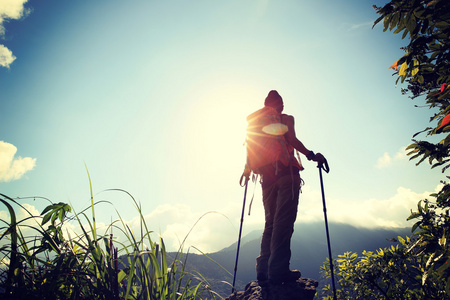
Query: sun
(213, 131)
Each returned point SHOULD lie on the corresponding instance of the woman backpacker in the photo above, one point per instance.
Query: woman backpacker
(271, 142)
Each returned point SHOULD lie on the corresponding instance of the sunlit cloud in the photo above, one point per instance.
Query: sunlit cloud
(12, 168)
(401, 154)
(368, 213)
(366, 25)
(213, 231)
(6, 57)
(178, 224)
(386, 160)
(23, 213)
(10, 10)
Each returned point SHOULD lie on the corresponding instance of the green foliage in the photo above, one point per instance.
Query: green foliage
(48, 264)
(389, 273)
(417, 267)
(425, 65)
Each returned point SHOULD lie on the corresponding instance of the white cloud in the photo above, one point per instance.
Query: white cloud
(207, 231)
(214, 231)
(13, 168)
(401, 154)
(22, 213)
(369, 213)
(217, 230)
(386, 160)
(367, 25)
(391, 212)
(10, 9)
(6, 57)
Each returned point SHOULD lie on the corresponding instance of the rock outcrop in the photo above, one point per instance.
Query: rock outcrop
(302, 289)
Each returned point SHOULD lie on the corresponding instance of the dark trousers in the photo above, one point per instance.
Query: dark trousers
(280, 205)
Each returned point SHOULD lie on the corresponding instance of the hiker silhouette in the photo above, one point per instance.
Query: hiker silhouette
(271, 143)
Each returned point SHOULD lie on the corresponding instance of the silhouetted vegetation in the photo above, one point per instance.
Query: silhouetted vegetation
(418, 266)
(41, 259)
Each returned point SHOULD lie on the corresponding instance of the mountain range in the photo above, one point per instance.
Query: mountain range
(309, 251)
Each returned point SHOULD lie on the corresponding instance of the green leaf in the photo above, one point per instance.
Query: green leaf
(394, 21)
(387, 20)
(61, 214)
(405, 33)
(413, 216)
(46, 218)
(377, 21)
(54, 216)
(411, 22)
(414, 227)
(415, 69)
(442, 24)
(443, 241)
(48, 208)
(403, 69)
(399, 29)
(420, 79)
(121, 276)
(402, 78)
(412, 146)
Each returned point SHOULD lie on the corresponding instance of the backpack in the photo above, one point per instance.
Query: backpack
(265, 141)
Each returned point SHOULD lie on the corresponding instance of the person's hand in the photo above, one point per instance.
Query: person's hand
(319, 158)
(245, 175)
(247, 171)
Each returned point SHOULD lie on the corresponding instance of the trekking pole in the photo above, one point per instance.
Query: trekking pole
(326, 168)
(240, 229)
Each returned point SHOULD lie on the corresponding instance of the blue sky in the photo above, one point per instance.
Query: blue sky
(152, 96)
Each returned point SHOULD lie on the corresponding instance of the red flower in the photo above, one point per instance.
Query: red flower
(445, 122)
(443, 86)
(394, 65)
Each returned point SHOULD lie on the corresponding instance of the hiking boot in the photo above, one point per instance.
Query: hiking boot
(290, 276)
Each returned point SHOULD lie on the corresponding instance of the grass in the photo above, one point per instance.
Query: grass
(49, 262)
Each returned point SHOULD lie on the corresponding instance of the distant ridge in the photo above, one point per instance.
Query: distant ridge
(309, 251)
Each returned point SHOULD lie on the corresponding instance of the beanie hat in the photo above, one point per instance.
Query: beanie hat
(273, 99)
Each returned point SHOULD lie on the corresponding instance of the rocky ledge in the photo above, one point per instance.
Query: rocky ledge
(302, 289)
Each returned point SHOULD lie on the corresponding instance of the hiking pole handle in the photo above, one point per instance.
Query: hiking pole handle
(247, 178)
(324, 166)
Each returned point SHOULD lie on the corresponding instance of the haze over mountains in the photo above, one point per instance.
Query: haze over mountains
(309, 251)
